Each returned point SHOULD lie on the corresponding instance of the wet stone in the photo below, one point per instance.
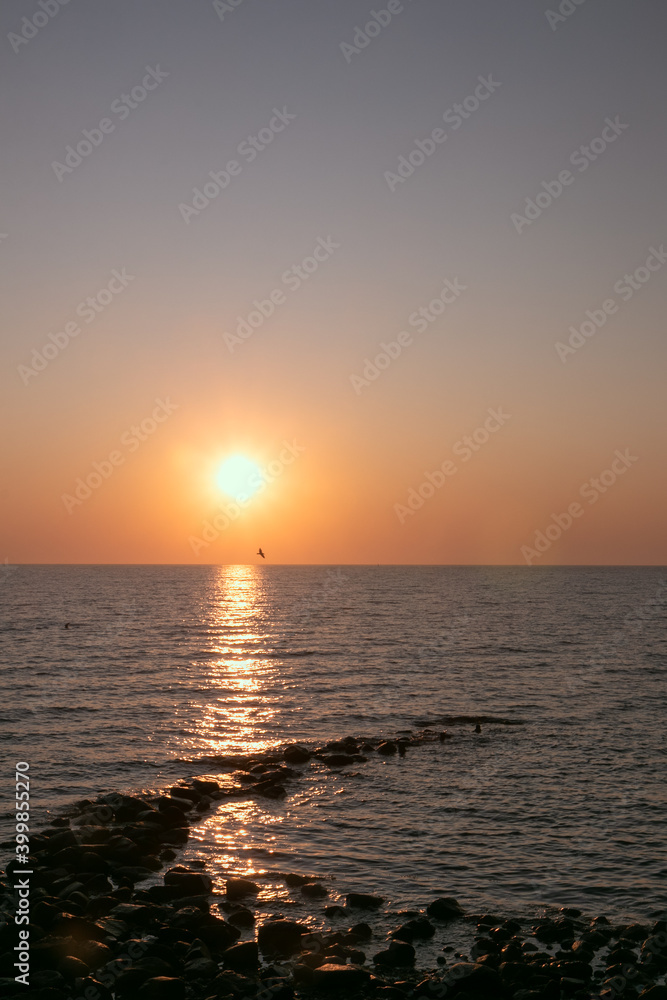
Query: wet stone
(239, 888)
(363, 901)
(444, 908)
(339, 978)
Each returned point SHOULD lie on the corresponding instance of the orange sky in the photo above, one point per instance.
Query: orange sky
(115, 299)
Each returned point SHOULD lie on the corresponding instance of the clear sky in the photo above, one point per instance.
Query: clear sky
(464, 182)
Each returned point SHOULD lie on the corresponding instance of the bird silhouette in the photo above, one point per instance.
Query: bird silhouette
(260, 553)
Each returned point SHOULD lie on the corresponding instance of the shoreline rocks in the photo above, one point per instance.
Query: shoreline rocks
(98, 932)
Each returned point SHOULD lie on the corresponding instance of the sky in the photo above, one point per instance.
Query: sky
(406, 259)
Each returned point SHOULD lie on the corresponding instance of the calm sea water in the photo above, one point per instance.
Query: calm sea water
(162, 668)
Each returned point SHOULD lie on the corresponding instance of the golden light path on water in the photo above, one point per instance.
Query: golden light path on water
(242, 667)
(239, 666)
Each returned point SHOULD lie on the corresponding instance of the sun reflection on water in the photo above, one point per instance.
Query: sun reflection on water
(239, 710)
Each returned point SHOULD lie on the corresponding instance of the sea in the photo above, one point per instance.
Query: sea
(131, 678)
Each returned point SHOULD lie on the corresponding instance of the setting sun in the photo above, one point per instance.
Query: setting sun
(239, 477)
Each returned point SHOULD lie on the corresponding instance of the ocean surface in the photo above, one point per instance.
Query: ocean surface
(163, 668)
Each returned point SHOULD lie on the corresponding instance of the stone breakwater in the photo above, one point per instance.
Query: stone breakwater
(96, 934)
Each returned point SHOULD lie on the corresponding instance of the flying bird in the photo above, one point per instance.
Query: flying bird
(260, 553)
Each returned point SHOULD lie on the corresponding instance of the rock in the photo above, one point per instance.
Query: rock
(296, 754)
(580, 971)
(338, 759)
(96, 991)
(361, 932)
(654, 993)
(163, 988)
(473, 980)
(396, 956)
(313, 890)
(363, 901)
(239, 888)
(634, 932)
(200, 968)
(270, 790)
(444, 908)
(241, 918)
(185, 883)
(242, 957)
(413, 929)
(387, 748)
(293, 880)
(217, 934)
(205, 785)
(334, 911)
(339, 978)
(73, 968)
(280, 937)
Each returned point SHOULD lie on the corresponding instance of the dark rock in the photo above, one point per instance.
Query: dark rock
(95, 989)
(185, 883)
(296, 754)
(361, 932)
(334, 911)
(580, 971)
(233, 984)
(242, 957)
(414, 929)
(338, 759)
(484, 946)
(200, 968)
(634, 932)
(339, 978)
(293, 880)
(281, 937)
(241, 918)
(619, 955)
(387, 748)
(205, 785)
(313, 890)
(270, 790)
(73, 968)
(396, 956)
(163, 988)
(444, 908)
(473, 980)
(363, 901)
(654, 993)
(239, 888)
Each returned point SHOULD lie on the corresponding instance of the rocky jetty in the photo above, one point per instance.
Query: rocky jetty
(109, 918)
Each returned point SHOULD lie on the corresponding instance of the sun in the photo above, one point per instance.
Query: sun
(239, 477)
